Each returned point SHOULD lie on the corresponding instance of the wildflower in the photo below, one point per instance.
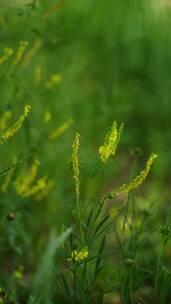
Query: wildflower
(20, 52)
(27, 185)
(45, 191)
(53, 80)
(23, 184)
(79, 256)
(18, 274)
(111, 142)
(36, 46)
(47, 117)
(60, 130)
(16, 126)
(37, 74)
(75, 163)
(40, 185)
(126, 188)
(6, 54)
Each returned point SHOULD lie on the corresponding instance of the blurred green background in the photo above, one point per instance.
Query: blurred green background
(112, 61)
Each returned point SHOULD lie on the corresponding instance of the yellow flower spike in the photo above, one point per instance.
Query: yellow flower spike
(8, 51)
(60, 130)
(111, 142)
(18, 274)
(75, 163)
(126, 188)
(47, 117)
(76, 176)
(24, 183)
(39, 186)
(53, 80)
(27, 185)
(20, 52)
(6, 54)
(32, 51)
(45, 191)
(16, 126)
(79, 256)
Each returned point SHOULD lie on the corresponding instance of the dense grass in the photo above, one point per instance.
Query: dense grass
(111, 61)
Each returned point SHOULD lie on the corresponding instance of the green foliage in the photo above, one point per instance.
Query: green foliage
(80, 65)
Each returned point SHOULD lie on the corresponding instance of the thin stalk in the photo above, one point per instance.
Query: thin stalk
(79, 216)
(158, 266)
(130, 287)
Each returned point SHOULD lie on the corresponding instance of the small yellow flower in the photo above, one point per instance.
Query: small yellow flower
(16, 126)
(75, 163)
(60, 130)
(18, 273)
(20, 52)
(24, 183)
(31, 52)
(47, 117)
(45, 191)
(126, 188)
(79, 256)
(39, 186)
(53, 80)
(27, 185)
(6, 54)
(111, 142)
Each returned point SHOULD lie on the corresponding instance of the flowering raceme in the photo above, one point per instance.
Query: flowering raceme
(36, 46)
(47, 117)
(138, 180)
(79, 256)
(61, 129)
(75, 163)
(111, 142)
(7, 53)
(16, 126)
(53, 80)
(20, 52)
(27, 185)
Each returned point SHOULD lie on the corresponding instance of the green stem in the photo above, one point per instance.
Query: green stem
(79, 217)
(130, 287)
(158, 266)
